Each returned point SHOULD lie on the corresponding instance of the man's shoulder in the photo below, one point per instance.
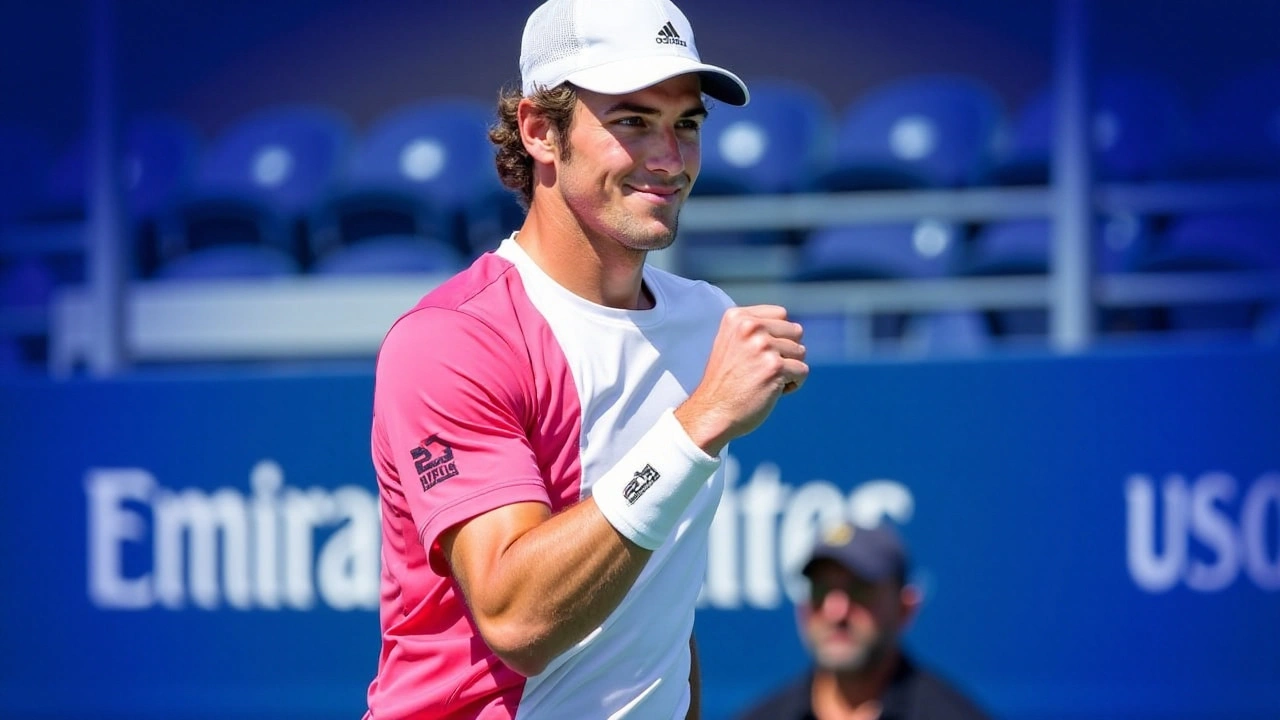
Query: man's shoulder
(686, 293)
(485, 275)
(788, 702)
(487, 291)
(477, 305)
(936, 697)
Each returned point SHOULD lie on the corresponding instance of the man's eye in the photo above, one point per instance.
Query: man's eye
(818, 593)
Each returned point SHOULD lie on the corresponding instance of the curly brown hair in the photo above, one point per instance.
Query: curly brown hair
(515, 166)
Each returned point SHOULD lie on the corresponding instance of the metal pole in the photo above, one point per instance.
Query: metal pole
(105, 248)
(1071, 309)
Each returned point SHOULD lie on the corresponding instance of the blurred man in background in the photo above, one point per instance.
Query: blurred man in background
(859, 605)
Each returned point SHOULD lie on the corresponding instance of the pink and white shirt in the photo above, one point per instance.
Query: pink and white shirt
(499, 387)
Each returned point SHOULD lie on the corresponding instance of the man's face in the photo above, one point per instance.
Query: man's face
(850, 624)
(632, 161)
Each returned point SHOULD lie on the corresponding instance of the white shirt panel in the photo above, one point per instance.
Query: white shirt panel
(630, 366)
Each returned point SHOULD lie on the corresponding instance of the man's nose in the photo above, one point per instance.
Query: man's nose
(666, 154)
(836, 605)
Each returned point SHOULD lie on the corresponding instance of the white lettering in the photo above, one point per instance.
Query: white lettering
(303, 511)
(722, 588)
(189, 525)
(348, 569)
(267, 550)
(1155, 573)
(874, 500)
(814, 506)
(1211, 526)
(1264, 495)
(266, 479)
(764, 528)
(762, 500)
(1203, 512)
(111, 527)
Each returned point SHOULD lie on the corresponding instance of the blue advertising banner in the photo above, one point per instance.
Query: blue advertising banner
(1096, 536)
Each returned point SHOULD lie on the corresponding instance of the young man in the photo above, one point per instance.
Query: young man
(859, 605)
(549, 424)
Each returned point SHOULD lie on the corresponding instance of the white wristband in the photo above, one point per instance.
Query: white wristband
(644, 495)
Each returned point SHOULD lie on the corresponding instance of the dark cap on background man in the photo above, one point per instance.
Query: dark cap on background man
(616, 47)
(873, 554)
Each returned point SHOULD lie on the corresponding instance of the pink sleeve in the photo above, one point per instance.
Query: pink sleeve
(454, 397)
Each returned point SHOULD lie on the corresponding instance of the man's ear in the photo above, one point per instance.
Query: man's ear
(537, 133)
(909, 598)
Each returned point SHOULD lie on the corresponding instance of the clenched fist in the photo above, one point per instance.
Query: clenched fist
(756, 358)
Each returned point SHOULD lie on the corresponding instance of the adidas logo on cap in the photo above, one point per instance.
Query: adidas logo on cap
(667, 35)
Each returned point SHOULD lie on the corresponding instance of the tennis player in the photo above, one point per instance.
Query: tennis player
(549, 425)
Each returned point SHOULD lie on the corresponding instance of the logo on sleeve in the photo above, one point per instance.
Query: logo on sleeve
(640, 481)
(433, 459)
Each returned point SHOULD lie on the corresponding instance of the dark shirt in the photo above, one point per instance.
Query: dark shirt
(912, 694)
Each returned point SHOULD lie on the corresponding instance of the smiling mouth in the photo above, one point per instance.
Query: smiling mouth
(657, 188)
(658, 194)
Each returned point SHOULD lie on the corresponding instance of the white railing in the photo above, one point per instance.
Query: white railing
(326, 317)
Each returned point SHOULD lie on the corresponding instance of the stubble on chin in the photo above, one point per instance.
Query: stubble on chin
(641, 234)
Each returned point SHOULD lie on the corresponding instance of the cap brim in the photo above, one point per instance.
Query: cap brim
(626, 76)
(856, 563)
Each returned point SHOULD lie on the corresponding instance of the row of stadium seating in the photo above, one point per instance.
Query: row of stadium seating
(296, 189)
(430, 163)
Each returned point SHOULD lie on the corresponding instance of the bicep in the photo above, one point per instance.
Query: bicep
(475, 547)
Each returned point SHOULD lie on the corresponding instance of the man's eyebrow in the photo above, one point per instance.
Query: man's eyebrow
(638, 109)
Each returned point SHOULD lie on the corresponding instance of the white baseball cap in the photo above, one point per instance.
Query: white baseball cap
(616, 47)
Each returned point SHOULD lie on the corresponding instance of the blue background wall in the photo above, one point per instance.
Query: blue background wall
(1022, 482)
(214, 62)
(1019, 482)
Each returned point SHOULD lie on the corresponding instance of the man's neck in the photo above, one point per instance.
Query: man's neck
(599, 270)
(856, 695)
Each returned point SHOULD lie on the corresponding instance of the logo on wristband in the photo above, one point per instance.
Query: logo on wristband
(640, 482)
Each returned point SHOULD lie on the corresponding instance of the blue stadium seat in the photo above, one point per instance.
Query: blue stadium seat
(837, 337)
(420, 169)
(1237, 131)
(158, 160)
(391, 254)
(222, 262)
(161, 155)
(491, 216)
(11, 357)
(25, 156)
(775, 144)
(259, 178)
(26, 282)
(870, 252)
(946, 332)
(880, 251)
(1216, 242)
(1139, 126)
(832, 337)
(1024, 247)
(928, 131)
(1267, 330)
(26, 286)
